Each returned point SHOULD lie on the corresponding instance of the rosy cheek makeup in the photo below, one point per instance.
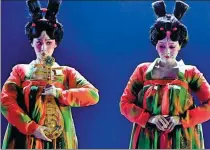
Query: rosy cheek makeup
(161, 50)
(38, 48)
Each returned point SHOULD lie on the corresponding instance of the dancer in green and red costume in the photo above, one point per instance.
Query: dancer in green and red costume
(158, 97)
(23, 94)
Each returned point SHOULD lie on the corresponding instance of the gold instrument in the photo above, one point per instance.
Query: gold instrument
(53, 118)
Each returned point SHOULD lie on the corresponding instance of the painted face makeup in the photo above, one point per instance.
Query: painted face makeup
(168, 49)
(43, 46)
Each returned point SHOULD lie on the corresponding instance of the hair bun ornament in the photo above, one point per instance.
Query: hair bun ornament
(180, 9)
(159, 8)
(44, 10)
(52, 10)
(34, 9)
(33, 25)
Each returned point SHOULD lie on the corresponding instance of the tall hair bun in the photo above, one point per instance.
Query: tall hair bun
(34, 9)
(52, 9)
(180, 9)
(159, 8)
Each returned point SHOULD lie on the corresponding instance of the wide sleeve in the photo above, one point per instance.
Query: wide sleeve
(9, 104)
(200, 86)
(81, 92)
(131, 111)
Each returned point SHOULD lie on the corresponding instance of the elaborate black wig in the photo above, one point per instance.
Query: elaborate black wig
(169, 22)
(49, 23)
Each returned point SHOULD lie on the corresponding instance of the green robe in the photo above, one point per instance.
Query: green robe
(145, 96)
(22, 106)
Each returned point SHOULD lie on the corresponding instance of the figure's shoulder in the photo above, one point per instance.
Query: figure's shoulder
(189, 68)
(20, 68)
(69, 71)
(68, 68)
(143, 66)
(192, 70)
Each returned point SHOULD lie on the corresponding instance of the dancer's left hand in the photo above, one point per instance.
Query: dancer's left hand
(173, 121)
(52, 90)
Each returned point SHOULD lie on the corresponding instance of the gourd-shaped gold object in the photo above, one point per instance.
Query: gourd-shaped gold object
(53, 118)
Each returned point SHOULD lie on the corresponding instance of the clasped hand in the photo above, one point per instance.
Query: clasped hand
(51, 90)
(164, 124)
(39, 133)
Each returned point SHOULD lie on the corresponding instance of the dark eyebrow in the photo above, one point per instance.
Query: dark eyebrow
(162, 42)
(172, 43)
(45, 39)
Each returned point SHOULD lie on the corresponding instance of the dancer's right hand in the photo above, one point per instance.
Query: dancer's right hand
(39, 133)
(160, 122)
